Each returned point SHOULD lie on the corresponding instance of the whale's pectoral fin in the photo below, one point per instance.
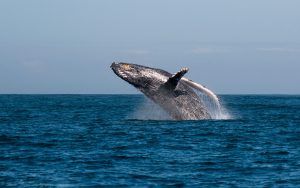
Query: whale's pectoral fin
(173, 81)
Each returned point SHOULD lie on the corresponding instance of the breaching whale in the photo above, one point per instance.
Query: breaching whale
(172, 92)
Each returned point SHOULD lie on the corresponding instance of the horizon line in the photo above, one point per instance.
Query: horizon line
(140, 94)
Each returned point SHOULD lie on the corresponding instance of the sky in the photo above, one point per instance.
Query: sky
(67, 46)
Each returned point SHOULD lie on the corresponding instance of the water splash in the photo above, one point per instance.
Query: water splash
(214, 107)
(149, 110)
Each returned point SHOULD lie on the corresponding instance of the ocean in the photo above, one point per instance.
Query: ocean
(121, 140)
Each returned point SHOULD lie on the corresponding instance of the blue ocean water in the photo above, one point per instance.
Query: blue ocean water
(92, 140)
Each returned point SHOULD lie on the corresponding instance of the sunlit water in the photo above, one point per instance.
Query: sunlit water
(92, 140)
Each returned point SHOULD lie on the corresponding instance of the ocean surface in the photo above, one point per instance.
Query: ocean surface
(94, 140)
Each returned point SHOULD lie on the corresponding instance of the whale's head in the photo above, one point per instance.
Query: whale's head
(140, 76)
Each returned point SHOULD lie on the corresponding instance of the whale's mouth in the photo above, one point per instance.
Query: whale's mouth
(120, 69)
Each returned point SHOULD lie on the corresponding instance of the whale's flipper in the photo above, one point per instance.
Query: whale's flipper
(173, 81)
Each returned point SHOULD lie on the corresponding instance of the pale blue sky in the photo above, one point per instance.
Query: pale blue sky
(67, 46)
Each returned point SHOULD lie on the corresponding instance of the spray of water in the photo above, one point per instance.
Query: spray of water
(214, 108)
(149, 110)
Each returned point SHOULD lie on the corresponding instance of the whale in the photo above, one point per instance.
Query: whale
(174, 93)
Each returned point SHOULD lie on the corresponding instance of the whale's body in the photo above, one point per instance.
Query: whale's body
(173, 94)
